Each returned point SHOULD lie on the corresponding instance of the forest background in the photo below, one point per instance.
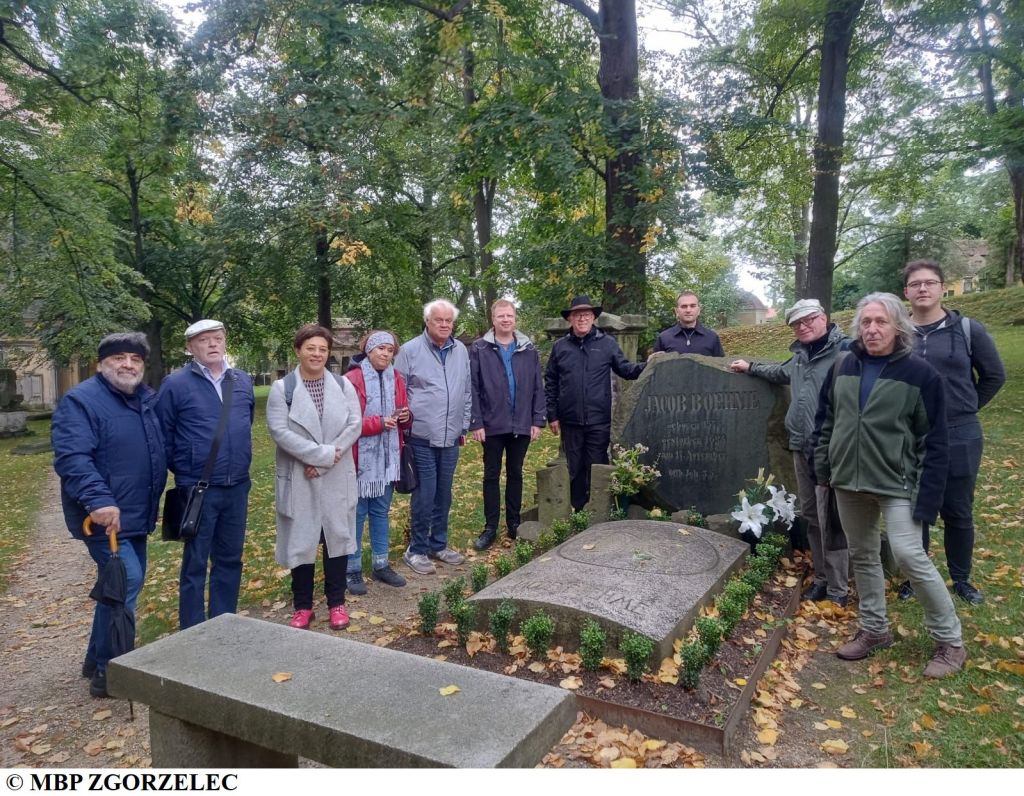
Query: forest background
(316, 159)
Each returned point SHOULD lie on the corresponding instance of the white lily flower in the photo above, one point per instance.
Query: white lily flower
(782, 505)
(751, 518)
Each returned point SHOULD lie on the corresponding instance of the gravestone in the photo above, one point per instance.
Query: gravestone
(12, 416)
(708, 431)
(644, 576)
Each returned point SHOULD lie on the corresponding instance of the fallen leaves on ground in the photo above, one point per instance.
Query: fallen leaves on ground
(281, 677)
(594, 743)
(448, 690)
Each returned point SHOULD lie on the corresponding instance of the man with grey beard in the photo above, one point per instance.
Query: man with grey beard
(109, 453)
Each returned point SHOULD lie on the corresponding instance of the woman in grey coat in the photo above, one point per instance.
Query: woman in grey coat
(314, 418)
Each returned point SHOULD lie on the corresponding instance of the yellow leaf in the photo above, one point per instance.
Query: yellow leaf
(537, 667)
(819, 686)
(571, 683)
(377, 620)
(832, 724)
(448, 690)
(1010, 666)
(984, 709)
(740, 681)
(867, 733)
(768, 736)
(684, 532)
(820, 725)
(353, 628)
(796, 703)
(624, 762)
(928, 722)
(446, 643)
(847, 713)
(652, 744)
(358, 614)
(791, 582)
(100, 715)
(588, 547)
(921, 748)
(606, 682)
(835, 746)
(40, 748)
(282, 677)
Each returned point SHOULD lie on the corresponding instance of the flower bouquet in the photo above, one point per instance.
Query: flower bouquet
(763, 506)
(629, 474)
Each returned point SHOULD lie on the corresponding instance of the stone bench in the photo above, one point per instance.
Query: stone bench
(213, 703)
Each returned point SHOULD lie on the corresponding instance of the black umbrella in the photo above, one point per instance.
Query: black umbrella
(111, 589)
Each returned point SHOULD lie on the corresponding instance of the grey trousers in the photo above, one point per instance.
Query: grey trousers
(859, 512)
(829, 552)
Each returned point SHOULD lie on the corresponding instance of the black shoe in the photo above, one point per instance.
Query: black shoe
(88, 668)
(389, 576)
(966, 592)
(840, 601)
(98, 685)
(905, 591)
(513, 533)
(354, 582)
(819, 591)
(486, 539)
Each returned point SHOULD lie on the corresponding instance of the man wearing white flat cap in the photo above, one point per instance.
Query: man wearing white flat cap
(189, 406)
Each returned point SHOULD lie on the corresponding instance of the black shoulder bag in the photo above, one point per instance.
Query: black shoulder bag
(183, 505)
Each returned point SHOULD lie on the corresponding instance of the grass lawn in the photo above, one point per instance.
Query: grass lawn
(21, 481)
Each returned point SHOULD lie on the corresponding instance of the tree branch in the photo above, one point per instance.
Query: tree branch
(588, 13)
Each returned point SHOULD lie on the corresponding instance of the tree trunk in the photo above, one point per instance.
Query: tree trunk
(840, 18)
(324, 316)
(800, 220)
(483, 196)
(154, 372)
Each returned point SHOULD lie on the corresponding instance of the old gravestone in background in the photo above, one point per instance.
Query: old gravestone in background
(708, 429)
(639, 575)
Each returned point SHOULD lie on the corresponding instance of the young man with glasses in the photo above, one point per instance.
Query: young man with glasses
(964, 354)
(818, 343)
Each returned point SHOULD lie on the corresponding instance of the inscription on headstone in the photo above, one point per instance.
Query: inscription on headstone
(708, 429)
(645, 576)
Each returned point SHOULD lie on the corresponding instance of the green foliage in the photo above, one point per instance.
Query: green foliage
(429, 606)
(659, 515)
(464, 615)
(545, 541)
(637, 650)
(694, 518)
(694, 656)
(629, 473)
(709, 632)
(454, 590)
(523, 552)
(730, 611)
(478, 576)
(755, 578)
(740, 591)
(561, 529)
(579, 521)
(538, 630)
(500, 621)
(617, 514)
(503, 565)
(593, 640)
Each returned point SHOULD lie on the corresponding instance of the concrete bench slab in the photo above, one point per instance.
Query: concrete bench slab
(213, 702)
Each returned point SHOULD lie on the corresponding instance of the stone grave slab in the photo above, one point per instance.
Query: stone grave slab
(708, 429)
(644, 576)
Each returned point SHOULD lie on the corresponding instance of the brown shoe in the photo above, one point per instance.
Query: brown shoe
(863, 644)
(946, 660)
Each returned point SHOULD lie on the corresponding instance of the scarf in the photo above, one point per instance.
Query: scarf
(378, 454)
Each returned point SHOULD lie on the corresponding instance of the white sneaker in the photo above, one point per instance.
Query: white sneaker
(419, 564)
(448, 556)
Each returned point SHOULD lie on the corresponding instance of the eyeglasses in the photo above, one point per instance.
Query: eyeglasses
(928, 283)
(804, 323)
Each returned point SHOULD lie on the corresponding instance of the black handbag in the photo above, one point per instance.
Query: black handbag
(407, 478)
(183, 505)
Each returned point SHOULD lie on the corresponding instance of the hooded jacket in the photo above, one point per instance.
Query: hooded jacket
(576, 382)
(492, 406)
(897, 445)
(972, 379)
(805, 375)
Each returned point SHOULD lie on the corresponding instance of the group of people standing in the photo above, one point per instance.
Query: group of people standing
(884, 423)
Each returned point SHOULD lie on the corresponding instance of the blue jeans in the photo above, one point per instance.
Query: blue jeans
(133, 552)
(376, 509)
(219, 543)
(432, 499)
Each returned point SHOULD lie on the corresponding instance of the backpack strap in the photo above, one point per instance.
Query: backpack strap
(965, 327)
(290, 380)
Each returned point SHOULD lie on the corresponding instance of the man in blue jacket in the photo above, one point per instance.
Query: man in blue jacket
(189, 406)
(109, 453)
(578, 388)
(964, 354)
(689, 335)
(508, 414)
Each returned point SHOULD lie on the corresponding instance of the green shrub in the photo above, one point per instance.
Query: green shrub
(478, 576)
(694, 518)
(694, 655)
(592, 643)
(465, 620)
(428, 606)
(545, 541)
(500, 621)
(617, 514)
(561, 529)
(503, 565)
(454, 593)
(775, 540)
(636, 649)
(523, 552)
(538, 631)
(764, 565)
(755, 578)
(730, 611)
(579, 521)
(659, 515)
(709, 631)
(743, 592)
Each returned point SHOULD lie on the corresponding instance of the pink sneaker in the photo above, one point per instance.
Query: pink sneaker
(301, 618)
(339, 618)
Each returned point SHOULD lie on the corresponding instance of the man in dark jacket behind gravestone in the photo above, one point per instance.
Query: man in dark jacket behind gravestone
(578, 388)
(689, 335)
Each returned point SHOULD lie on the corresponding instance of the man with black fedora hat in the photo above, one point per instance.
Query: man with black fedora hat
(578, 389)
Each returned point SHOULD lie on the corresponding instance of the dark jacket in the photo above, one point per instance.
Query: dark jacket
(701, 341)
(373, 425)
(895, 446)
(108, 450)
(804, 374)
(576, 381)
(189, 410)
(492, 404)
(972, 380)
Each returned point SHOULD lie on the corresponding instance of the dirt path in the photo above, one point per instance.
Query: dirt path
(48, 719)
